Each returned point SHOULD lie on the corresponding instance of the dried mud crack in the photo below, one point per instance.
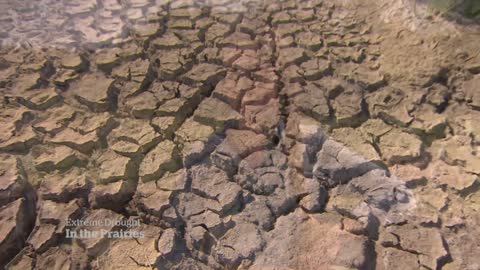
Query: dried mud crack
(236, 135)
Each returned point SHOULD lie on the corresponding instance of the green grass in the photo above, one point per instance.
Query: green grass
(473, 8)
(442, 6)
(469, 8)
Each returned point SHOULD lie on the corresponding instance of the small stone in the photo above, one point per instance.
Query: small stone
(286, 42)
(292, 74)
(265, 76)
(463, 120)
(436, 198)
(229, 55)
(348, 54)
(304, 129)
(187, 12)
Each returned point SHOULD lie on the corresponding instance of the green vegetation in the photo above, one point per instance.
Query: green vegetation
(473, 8)
(442, 6)
(469, 8)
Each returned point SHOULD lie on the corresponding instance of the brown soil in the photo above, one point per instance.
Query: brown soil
(238, 135)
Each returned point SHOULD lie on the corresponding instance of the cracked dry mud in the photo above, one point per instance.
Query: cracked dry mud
(240, 134)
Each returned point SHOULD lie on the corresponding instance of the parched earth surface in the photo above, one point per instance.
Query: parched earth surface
(238, 135)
